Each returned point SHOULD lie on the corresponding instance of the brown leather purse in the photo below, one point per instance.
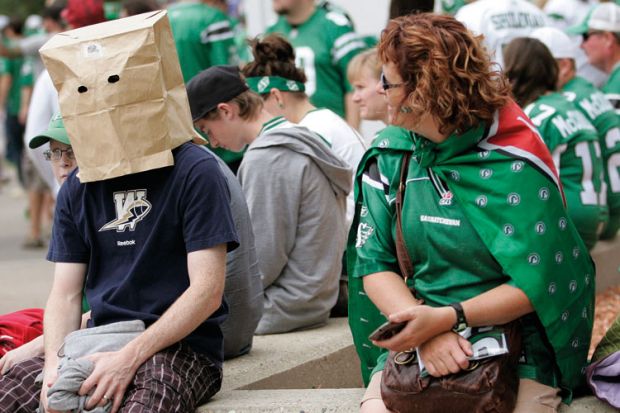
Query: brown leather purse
(489, 385)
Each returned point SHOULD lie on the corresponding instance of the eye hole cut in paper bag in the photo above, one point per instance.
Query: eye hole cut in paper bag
(121, 94)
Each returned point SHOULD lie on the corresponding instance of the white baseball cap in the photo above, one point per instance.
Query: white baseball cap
(558, 42)
(604, 17)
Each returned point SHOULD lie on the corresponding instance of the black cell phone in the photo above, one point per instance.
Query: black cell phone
(387, 330)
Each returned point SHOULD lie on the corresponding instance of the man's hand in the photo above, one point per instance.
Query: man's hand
(49, 377)
(27, 351)
(424, 323)
(112, 374)
(445, 354)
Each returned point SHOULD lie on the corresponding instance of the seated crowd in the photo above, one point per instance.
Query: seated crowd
(473, 207)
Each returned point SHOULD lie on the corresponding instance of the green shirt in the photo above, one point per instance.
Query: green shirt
(492, 193)
(203, 37)
(13, 68)
(573, 142)
(324, 44)
(611, 88)
(599, 111)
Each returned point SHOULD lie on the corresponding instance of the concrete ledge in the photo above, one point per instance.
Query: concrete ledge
(606, 256)
(304, 400)
(331, 400)
(317, 358)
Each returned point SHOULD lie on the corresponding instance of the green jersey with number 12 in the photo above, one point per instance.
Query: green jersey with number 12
(573, 142)
(599, 111)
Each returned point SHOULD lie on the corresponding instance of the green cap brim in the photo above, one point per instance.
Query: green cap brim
(582, 27)
(578, 29)
(57, 134)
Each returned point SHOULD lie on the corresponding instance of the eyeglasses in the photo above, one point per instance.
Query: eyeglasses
(386, 85)
(56, 154)
(587, 35)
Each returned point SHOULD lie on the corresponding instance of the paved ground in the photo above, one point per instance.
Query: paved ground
(25, 275)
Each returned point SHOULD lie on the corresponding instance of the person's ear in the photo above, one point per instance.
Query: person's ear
(226, 110)
(277, 95)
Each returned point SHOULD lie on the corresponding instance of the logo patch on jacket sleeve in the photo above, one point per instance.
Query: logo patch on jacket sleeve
(364, 231)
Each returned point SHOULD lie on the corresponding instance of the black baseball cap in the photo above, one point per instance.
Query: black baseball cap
(212, 86)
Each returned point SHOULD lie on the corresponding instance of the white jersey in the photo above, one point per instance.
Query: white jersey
(44, 104)
(500, 21)
(344, 140)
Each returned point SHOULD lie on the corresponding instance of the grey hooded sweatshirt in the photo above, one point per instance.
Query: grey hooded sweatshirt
(296, 190)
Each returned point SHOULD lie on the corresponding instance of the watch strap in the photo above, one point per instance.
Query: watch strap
(461, 321)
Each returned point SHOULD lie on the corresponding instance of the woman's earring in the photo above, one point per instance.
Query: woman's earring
(405, 109)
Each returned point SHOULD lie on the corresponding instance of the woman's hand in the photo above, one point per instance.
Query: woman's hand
(445, 354)
(27, 351)
(424, 323)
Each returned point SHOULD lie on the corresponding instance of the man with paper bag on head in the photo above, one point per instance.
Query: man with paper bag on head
(142, 226)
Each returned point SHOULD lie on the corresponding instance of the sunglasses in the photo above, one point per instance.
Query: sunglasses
(386, 85)
(587, 35)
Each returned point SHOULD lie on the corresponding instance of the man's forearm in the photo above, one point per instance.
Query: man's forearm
(193, 307)
(62, 316)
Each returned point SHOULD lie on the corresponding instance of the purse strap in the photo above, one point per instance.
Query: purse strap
(404, 261)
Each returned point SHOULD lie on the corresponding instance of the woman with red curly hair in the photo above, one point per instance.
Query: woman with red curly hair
(483, 222)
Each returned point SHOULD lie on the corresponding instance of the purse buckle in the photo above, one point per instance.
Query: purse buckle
(405, 357)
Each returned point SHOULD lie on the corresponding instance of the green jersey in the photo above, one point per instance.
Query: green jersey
(203, 37)
(324, 44)
(13, 68)
(611, 88)
(573, 142)
(599, 111)
(481, 209)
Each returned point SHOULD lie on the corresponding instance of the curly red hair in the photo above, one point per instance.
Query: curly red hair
(446, 70)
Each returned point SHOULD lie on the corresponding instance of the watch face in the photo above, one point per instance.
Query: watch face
(459, 326)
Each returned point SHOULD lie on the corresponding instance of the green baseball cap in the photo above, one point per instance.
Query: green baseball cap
(56, 130)
(604, 17)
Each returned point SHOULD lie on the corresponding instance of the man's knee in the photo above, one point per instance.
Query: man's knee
(19, 391)
(176, 379)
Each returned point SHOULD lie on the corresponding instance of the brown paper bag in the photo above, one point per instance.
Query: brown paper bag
(121, 94)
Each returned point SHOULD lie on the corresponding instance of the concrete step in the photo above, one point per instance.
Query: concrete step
(302, 359)
(606, 256)
(331, 400)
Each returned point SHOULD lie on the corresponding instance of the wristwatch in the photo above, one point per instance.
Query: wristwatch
(461, 321)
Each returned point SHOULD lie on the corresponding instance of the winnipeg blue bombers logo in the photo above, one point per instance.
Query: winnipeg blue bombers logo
(131, 208)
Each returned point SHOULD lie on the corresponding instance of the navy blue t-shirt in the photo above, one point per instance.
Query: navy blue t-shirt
(135, 232)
